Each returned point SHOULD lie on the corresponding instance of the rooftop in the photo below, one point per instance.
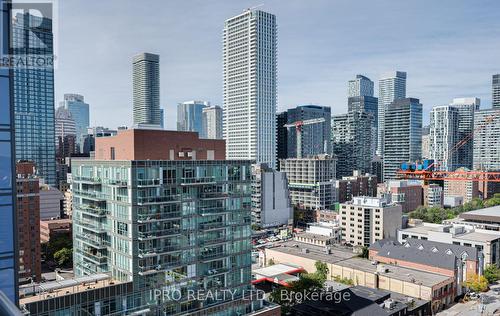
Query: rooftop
(314, 236)
(468, 234)
(277, 269)
(337, 253)
(490, 214)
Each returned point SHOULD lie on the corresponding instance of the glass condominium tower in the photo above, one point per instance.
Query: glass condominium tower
(250, 78)
(79, 110)
(190, 116)
(9, 260)
(146, 89)
(392, 86)
(34, 96)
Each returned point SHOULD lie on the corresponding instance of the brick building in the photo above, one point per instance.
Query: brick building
(55, 227)
(409, 194)
(356, 185)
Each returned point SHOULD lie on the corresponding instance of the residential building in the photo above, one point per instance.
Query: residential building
(358, 184)
(351, 138)
(53, 228)
(250, 86)
(426, 142)
(433, 195)
(212, 122)
(315, 239)
(66, 141)
(155, 209)
(467, 107)
(360, 87)
(28, 223)
(486, 142)
(407, 193)
(364, 220)
(80, 113)
(8, 214)
(486, 242)
(92, 134)
(486, 218)
(190, 116)
(146, 89)
(392, 86)
(51, 201)
(326, 229)
(495, 91)
(68, 203)
(342, 263)
(402, 135)
(467, 189)
(311, 181)
(367, 104)
(34, 96)
(271, 205)
(377, 167)
(443, 136)
(162, 118)
(281, 137)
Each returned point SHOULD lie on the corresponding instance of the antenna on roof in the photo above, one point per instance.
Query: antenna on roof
(255, 7)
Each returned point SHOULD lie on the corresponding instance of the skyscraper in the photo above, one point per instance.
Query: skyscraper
(351, 135)
(487, 140)
(190, 116)
(34, 96)
(80, 113)
(65, 129)
(360, 87)
(281, 137)
(403, 135)
(212, 122)
(392, 86)
(443, 135)
(146, 90)
(250, 49)
(316, 138)
(495, 91)
(9, 261)
(466, 109)
(369, 105)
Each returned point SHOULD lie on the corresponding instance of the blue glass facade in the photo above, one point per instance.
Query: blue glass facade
(34, 96)
(80, 113)
(190, 116)
(8, 244)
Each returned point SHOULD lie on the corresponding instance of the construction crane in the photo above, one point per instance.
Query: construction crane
(298, 129)
(425, 171)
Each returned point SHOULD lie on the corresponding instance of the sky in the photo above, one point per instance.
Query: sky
(449, 48)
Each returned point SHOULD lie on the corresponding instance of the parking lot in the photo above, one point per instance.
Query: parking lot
(487, 304)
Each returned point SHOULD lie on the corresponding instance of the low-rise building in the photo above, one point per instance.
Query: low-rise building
(407, 193)
(55, 227)
(466, 189)
(365, 220)
(486, 218)
(356, 185)
(328, 229)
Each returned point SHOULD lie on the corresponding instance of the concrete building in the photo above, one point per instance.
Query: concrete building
(28, 223)
(146, 89)
(467, 107)
(407, 193)
(361, 86)
(50, 202)
(65, 127)
(365, 220)
(425, 142)
(487, 140)
(358, 184)
(485, 241)
(281, 137)
(326, 229)
(80, 113)
(316, 138)
(443, 136)
(368, 104)
(466, 189)
(351, 138)
(163, 210)
(486, 218)
(52, 228)
(495, 91)
(250, 86)
(212, 122)
(433, 195)
(271, 205)
(311, 181)
(402, 135)
(190, 116)
(392, 86)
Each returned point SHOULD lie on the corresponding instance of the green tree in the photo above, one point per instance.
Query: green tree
(64, 257)
(55, 244)
(492, 273)
(364, 252)
(345, 281)
(321, 270)
(476, 282)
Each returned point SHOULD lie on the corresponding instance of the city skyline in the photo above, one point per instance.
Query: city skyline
(439, 64)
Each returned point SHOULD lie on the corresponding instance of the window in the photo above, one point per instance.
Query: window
(122, 228)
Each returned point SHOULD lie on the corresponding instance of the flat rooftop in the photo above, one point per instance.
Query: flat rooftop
(277, 269)
(468, 235)
(314, 236)
(489, 214)
(293, 247)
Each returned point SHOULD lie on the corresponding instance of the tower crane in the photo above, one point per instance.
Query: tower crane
(298, 129)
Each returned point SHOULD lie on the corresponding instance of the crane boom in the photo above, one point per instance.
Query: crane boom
(298, 129)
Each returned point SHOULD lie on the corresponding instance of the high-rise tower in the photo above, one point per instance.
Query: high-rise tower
(146, 81)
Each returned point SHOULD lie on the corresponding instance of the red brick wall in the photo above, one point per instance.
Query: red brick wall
(413, 265)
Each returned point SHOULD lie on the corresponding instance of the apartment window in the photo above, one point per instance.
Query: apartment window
(112, 152)
(121, 228)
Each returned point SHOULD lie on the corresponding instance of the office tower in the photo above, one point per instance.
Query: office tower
(495, 91)
(425, 142)
(250, 80)
(368, 104)
(486, 142)
(351, 141)
(65, 129)
(177, 218)
(281, 137)
(316, 138)
(392, 86)
(466, 109)
(190, 116)
(8, 215)
(402, 134)
(162, 118)
(311, 181)
(34, 96)
(212, 122)
(360, 87)
(80, 113)
(366, 220)
(443, 135)
(28, 217)
(92, 134)
(271, 206)
(146, 90)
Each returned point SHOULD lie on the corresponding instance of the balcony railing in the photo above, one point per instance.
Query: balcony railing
(158, 234)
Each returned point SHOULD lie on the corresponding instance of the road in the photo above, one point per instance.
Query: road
(489, 305)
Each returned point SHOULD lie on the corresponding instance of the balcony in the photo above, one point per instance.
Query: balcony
(93, 241)
(90, 209)
(148, 182)
(198, 181)
(98, 259)
(158, 234)
(213, 225)
(145, 200)
(96, 196)
(153, 217)
(90, 225)
(152, 252)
